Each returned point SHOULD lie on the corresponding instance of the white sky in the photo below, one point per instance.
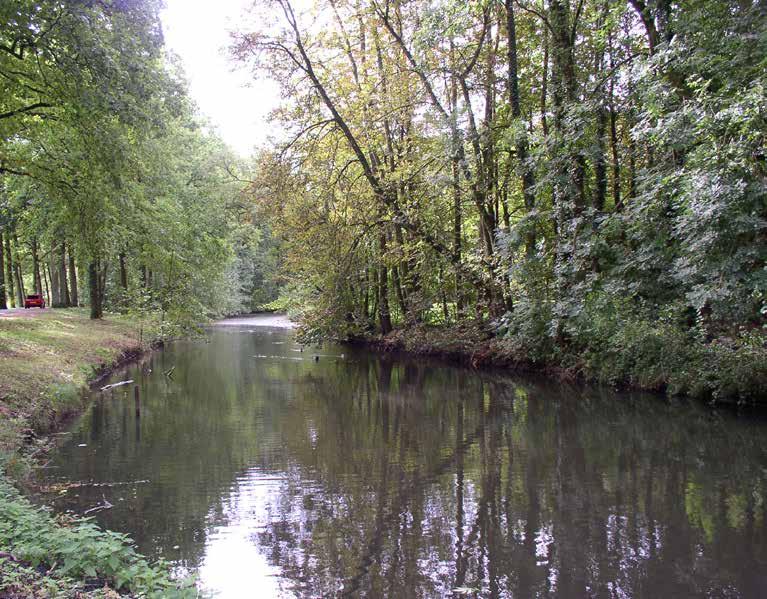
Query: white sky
(198, 31)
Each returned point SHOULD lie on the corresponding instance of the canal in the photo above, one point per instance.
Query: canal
(270, 469)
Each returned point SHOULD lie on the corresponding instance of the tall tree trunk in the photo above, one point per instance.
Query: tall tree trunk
(384, 315)
(9, 270)
(456, 186)
(103, 279)
(46, 280)
(62, 264)
(74, 296)
(3, 304)
(20, 291)
(616, 168)
(528, 179)
(123, 272)
(95, 292)
(569, 163)
(53, 271)
(544, 82)
(36, 268)
(600, 162)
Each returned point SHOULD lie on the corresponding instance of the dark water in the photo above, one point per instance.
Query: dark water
(271, 474)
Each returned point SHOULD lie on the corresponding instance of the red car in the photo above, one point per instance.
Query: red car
(34, 301)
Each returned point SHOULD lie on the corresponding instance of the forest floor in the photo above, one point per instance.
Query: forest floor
(47, 358)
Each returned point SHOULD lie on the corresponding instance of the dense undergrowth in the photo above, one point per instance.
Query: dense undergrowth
(609, 346)
(45, 556)
(646, 349)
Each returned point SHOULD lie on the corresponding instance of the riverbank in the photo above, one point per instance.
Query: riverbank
(47, 358)
(641, 356)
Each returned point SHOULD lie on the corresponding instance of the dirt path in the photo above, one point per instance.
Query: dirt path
(23, 312)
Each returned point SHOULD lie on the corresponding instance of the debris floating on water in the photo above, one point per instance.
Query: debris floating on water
(113, 385)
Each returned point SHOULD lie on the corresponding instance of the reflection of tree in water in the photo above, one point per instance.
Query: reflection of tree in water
(510, 492)
(405, 480)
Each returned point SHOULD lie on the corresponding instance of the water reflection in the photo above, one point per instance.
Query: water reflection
(353, 476)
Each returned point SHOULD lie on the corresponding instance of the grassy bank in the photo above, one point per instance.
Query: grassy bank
(629, 353)
(46, 359)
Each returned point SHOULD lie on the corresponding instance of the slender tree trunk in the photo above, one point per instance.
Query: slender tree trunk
(456, 188)
(384, 315)
(402, 280)
(528, 179)
(443, 295)
(616, 169)
(3, 303)
(366, 299)
(600, 162)
(397, 280)
(93, 286)
(74, 296)
(53, 271)
(36, 267)
(103, 279)
(123, 272)
(46, 281)
(61, 258)
(544, 81)
(20, 291)
(10, 271)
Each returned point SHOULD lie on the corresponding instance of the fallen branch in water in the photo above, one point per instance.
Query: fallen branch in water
(104, 506)
(113, 385)
(169, 372)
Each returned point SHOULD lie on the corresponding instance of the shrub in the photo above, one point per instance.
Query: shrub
(80, 551)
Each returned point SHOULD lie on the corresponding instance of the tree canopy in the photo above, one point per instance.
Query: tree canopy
(108, 173)
(583, 175)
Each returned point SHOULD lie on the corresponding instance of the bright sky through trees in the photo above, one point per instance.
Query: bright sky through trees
(198, 32)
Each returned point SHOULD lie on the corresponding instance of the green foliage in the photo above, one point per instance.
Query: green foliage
(615, 343)
(77, 553)
(110, 183)
(589, 177)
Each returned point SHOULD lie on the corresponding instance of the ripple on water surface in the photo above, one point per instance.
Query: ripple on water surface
(262, 465)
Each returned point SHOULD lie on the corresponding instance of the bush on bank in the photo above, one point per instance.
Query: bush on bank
(43, 556)
(647, 349)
